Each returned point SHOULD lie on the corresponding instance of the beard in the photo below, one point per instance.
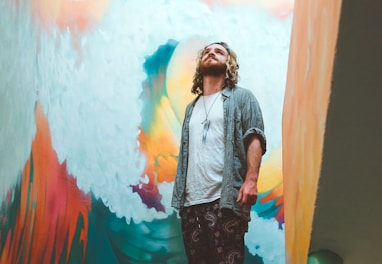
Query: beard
(213, 69)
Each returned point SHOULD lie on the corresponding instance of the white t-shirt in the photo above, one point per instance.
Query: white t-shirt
(206, 159)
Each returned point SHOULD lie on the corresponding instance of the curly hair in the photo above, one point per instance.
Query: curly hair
(232, 75)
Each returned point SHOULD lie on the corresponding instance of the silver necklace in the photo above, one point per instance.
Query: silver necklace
(206, 122)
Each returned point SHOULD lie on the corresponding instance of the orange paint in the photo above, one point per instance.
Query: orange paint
(278, 8)
(78, 16)
(160, 153)
(50, 207)
(314, 37)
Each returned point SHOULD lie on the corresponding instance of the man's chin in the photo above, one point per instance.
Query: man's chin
(214, 70)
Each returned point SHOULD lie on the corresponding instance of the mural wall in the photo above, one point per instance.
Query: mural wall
(92, 97)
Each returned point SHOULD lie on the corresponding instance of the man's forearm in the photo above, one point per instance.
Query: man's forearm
(254, 155)
(248, 191)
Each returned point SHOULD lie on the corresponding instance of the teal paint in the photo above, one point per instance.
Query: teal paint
(324, 257)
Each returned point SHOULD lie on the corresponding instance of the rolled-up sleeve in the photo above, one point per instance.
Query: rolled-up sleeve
(252, 120)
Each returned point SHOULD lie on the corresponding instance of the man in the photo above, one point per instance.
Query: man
(219, 159)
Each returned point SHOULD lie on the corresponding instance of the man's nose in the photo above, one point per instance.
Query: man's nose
(211, 53)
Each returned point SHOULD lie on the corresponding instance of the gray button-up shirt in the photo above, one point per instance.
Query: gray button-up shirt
(242, 119)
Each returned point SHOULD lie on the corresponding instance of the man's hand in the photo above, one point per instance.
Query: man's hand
(248, 192)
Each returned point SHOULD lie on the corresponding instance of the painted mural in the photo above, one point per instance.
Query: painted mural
(92, 97)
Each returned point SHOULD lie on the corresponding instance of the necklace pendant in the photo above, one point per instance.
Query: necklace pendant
(206, 126)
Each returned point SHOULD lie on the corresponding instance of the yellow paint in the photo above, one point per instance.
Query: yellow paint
(180, 73)
(271, 171)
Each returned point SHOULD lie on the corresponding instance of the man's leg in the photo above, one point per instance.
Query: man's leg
(195, 238)
(212, 235)
(227, 232)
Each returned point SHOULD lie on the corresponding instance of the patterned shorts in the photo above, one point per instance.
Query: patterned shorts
(212, 235)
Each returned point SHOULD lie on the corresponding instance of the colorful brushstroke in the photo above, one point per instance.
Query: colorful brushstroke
(47, 219)
(271, 200)
(157, 143)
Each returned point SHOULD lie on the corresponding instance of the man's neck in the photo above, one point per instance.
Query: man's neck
(212, 84)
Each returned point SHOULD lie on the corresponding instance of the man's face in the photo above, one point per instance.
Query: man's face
(213, 61)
